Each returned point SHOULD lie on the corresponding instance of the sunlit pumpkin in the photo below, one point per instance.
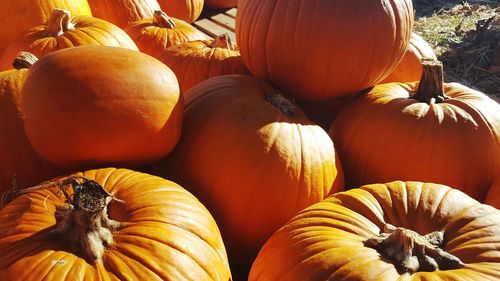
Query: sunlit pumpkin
(253, 158)
(98, 105)
(323, 49)
(394, 231)
(160, 32)
(123, 12)
(425, 131)
(110, 224)
(186, 10)
(64, 31)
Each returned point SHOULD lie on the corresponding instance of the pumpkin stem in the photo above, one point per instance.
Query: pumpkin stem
(279, 101)
(161, 19)
(430, 89)
(83, 220)
(413, 252)
(59, 22)
(223, 41)
(24, 60)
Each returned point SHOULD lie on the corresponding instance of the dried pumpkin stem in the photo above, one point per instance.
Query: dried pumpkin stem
(430, 89)
(161, 19)
(413, 252)
(281, 102)
(59, 22)
(24, 60)
(223, 41)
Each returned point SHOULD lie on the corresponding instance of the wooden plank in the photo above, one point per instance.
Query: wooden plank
(213, 29)
(231, 12)
(226, 21)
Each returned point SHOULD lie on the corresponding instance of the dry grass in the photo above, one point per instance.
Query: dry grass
(466, 38)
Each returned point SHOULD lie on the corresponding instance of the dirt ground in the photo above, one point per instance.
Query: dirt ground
(466, 37)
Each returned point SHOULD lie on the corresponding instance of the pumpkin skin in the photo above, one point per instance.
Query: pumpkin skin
(126, 104)
(124, 12)
(275, 163)
(16, 16)
(493, 196)
(324, 49)
(196, 61)
(221, 4)
(386, 135)
(18, 157)
(410, 67)
(326, 240)
(186, 10)
(167, 234)
(63, 31)
(160, 32)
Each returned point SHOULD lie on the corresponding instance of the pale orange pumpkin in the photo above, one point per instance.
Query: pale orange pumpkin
(100, 105)
(20, 165)
(16, 16)
(409, 68)
(376, 233)
(64, 31)
(186, 10)
(110, 224)
(160, 32)
(123, 12)
(253, 158)
(196, 61)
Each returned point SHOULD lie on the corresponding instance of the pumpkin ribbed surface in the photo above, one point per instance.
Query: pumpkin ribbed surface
(123, 12)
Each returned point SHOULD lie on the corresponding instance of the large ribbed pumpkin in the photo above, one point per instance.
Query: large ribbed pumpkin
(493, 196)
(99, 105)
(421, 131)
(186, 10)
(319, 49)
(18, 159)
(63, 31)
(16, 16)
(410, 67)
(196, 61)
(220, 4)
(252, 158)
(123, 12)
(154, 230)
(160, 32)
(394, 231)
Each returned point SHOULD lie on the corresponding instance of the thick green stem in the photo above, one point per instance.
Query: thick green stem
(59, 22)
(430, 89)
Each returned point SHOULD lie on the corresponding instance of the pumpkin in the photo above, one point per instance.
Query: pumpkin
(221, 4)
(110, 224)
(393, 231)
(111, 106)
(20, 165)
(123, 12)
(410, 67)
(253, 158)
(323, 112)
(196, 61)
(324, 49)
(63, 31)
(16, 16)
(424, 131)
(493, 196)
(186, 10)
(160, 32)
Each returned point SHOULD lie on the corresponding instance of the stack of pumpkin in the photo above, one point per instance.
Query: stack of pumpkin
(251, 139)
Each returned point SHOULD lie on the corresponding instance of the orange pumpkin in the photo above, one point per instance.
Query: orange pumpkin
(18, 159)
(111, 106)
(493, 196)
(221, 4)
(449, 136)
(123, 12)
(186, 10)
(323, 49)
(16, 16)
(245, 147)
(74, 230)
(63, 31)
(410, 67)
(196, 61)
(394, 231)
(160, 32)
